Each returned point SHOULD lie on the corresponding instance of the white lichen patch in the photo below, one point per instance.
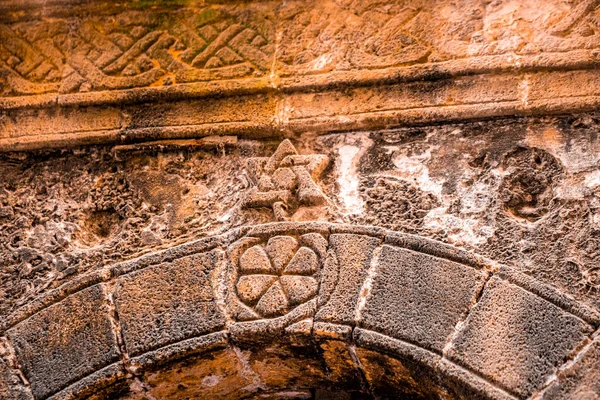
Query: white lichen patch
(321, 62)
(576, 154)
(348, 179)
(592, 179)
(460, 231)
(414, 168)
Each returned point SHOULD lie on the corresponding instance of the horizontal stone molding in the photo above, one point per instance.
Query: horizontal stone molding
(394, 293)
(264, 109)
(75, 72)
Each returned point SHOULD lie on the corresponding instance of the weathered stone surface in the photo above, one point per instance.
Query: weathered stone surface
(11, 386)
(581, 378)
(394, 378)
(456, 131)
(353, 254)
(271, 280)
(515, 338)
(299, 288)
(251, 288)
(305, 262)
(281, 250)
(65, 342)
(274, 302)
(167, 303)
(285, 181)
(419, 298)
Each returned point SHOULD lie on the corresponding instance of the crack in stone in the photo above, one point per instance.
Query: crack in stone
(460, 323)
(577, 355)
(367, 287)
(117, 330)
(8, 353)
(364, 383)
(220, 286)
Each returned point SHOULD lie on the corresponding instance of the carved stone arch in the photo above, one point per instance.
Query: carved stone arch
(333, 310)
(303, 190)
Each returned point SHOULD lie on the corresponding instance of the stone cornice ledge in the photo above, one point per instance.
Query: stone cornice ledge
(276, 106)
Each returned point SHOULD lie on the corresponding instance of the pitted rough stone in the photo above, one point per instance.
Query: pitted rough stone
(299, 288)
(353, 254)
(251, 287)
(255, 260)
(285, 180)
(274, 302)
(417, 297)
(11, 387)
(469, 127)
(515, 338)
(281, 249)
(167, 303)
(581, 379)
(317, 242)
(305, 262)
(289, 277)
(65, 342)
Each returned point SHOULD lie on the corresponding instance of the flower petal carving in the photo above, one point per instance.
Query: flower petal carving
(255, 260)
(281, 249)
(273, 303)
(304, 262)
(299, 288)
(275, 277)
(251, 287)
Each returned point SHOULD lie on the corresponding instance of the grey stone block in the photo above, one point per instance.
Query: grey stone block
(419, 298)
(353, 254)
(581, 380)
(515, 338)
(65, 342)
(11, 387)
(167, 303)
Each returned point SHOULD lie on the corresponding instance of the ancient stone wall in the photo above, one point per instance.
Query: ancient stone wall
(299, 199)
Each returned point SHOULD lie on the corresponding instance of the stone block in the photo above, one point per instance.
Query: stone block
(65, 342)
(581, 380)
(419, 298)
(353, 255)
(167, 303)
(11, 387)
(515, 338)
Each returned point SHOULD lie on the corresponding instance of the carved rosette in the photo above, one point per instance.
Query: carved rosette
(272, 279)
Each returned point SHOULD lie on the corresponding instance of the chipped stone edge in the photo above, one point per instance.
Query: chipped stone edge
(550, 294)
(378, 342)
(7, 352)
(564, 369)
(93, 382)
(184, 348)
